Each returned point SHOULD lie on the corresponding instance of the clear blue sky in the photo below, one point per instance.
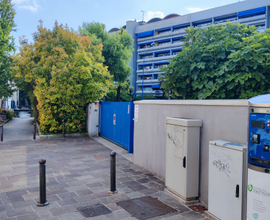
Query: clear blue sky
(111, 13)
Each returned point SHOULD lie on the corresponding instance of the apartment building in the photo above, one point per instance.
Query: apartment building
(157, 41)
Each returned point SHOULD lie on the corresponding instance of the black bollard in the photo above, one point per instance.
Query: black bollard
(2, 133)
(113, 173)
(42, 183)
(35, 131)
(63, 130)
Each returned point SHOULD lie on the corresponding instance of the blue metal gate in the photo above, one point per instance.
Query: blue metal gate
(116, 123)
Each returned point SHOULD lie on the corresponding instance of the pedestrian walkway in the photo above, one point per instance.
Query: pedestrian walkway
(78, 176)
(19, 129)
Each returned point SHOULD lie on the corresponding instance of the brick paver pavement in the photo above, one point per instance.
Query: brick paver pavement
(77, 176)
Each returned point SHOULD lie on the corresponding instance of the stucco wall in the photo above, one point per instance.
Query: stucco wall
(222, 120)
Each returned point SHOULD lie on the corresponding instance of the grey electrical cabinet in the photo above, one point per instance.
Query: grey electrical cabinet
(182, 157)
(227, 180)
(93, 119)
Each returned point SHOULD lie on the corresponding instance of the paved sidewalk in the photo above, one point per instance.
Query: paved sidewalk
(77, 176)
(19, 129)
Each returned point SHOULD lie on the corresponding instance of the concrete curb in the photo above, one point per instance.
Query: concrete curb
(60, 135)
(43, 136)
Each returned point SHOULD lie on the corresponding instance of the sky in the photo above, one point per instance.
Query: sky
(111, 13)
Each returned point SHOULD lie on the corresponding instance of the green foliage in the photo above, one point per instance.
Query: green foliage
(10, 114)
(96, 31)
(145, 97)
(66, 72)
(125, 95)
(116, 51)
(222, 61)
(7, 14)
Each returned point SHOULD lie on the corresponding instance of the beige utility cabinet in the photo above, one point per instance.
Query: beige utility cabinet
(182, 157)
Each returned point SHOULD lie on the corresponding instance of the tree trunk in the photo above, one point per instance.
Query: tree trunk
(118, 93)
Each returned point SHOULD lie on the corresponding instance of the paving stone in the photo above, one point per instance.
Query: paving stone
(102, 194)
(32, 216)
(175, 217)
(83, 192)
(118, 215)
(72, 216)
(176, 204)
(56, 192)
(76, 188)
(45, 214)
(192, 215)
(133, 195)
(19, 211)
(58, 186)
(85, 198)
(63, 210)
(3, 215)
(67, 195)
(68, 201)
(22, 204)
(5, 207)
(137, 187)
(117, 198)
(93, 185)
(77, 176)
(12, 199)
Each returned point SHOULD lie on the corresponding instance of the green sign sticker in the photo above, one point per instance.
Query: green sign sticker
(250, 187)
(255, 216)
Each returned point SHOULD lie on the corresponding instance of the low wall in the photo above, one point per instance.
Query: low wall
(222, 120)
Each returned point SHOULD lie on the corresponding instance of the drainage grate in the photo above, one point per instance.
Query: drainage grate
(94, 210)
(146, 207)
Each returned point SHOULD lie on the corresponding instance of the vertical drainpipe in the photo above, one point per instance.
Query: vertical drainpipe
(267, 21)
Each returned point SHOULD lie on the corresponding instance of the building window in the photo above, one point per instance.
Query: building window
(146, 88)
(163, 32)
(146, 56)
(228, 18)
(157, 66)
(204, 23)
(180, 27)
(252, 12)
(178, 40)
(146, 45)
(163, 54)
(146, 67)
(176, 52)
(163, 43)
(146, 77)
(261, 27)
(155, 76)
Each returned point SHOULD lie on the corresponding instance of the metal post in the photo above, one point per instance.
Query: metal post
(2, 132)
(63, 130)
(42, 183)
(35, 131)
(113, 173)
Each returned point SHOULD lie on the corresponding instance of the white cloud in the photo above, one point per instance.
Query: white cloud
(153, 14)
(32, 7)
(191, 9)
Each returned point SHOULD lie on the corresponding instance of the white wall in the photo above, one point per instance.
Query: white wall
(222, 120)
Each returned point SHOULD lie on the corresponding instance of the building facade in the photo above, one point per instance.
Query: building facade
(159, 40)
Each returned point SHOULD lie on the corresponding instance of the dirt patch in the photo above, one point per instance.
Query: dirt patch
(197, 208)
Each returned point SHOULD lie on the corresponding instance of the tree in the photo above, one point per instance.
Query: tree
(66, 72)
(7, 14)
(116, 51)
(222, 61)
